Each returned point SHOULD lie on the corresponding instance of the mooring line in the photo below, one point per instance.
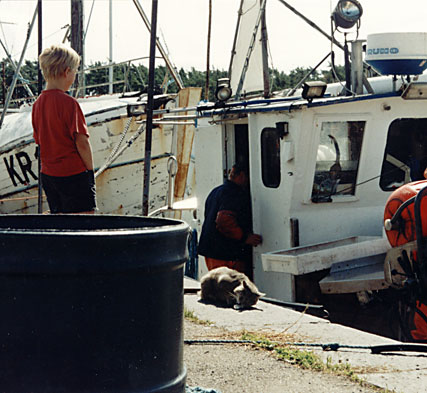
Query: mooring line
(375, 349)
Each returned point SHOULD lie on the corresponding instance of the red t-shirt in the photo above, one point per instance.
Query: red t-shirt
(57, 118)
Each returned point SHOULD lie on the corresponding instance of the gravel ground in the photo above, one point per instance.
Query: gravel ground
(241, 368)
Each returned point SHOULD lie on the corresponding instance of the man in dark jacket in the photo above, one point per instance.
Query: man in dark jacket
(227, 238)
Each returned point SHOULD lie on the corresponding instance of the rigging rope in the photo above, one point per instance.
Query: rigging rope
(116, 153)
(88, 21)
(371, 179)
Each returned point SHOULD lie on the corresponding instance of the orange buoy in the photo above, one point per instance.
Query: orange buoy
(405, 231)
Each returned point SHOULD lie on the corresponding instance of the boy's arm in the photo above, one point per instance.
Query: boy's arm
(85, 150)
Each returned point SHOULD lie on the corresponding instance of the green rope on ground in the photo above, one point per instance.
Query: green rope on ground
(375, 349)
(325, 347)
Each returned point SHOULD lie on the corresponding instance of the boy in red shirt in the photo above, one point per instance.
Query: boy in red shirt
(61, 132)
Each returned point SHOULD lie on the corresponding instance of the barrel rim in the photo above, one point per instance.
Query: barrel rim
(93, 232)
(164, 225)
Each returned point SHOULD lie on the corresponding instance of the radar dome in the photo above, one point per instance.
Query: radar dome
(397, 53)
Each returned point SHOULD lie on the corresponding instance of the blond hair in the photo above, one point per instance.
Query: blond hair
(55, 60)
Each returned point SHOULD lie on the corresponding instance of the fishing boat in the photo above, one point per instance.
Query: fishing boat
(116, 127)
(323, 161)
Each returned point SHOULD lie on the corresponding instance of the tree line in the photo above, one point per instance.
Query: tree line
(135, 78)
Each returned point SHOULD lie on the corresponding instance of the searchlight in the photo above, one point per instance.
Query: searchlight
(347, 13)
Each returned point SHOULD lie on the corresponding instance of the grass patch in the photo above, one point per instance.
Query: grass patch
(188, 314)
(308, 360)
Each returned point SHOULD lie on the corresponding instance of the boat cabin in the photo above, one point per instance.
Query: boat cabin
(320, 172)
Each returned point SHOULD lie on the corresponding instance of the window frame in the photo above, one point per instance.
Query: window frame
(404, 153)
(314, 135)
(264, 163)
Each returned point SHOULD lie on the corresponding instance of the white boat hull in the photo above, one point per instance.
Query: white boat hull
(119, 187)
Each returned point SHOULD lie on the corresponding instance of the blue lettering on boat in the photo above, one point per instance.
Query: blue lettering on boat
(383, 51)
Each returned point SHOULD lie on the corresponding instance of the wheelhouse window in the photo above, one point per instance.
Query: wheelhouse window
(337, 162)
(405, 156)
(270, 157)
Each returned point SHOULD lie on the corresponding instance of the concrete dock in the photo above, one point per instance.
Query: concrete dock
(403, 372)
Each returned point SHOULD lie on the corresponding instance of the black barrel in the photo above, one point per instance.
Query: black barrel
(91, 304)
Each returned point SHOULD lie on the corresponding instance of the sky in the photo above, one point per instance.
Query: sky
(182, 26)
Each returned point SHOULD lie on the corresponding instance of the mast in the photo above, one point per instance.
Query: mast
(150, 106)
(208, 52)
(39, 90)
(77, 38)
(110, 70)
(264, 49)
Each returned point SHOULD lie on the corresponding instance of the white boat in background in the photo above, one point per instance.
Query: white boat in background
(116, 127)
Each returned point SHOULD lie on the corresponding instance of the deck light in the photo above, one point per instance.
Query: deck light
(347, 13)
(223, 89)
(311, 90)
(136, 110)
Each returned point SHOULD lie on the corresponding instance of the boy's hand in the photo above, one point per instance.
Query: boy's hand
(85, 150)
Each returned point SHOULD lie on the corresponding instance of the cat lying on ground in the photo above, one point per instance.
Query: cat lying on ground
(229, 287)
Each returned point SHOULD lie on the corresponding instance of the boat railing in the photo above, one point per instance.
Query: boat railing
(81, 90)
(84, 89)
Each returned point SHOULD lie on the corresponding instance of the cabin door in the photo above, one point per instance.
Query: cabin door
(272, 176)
(236, 148)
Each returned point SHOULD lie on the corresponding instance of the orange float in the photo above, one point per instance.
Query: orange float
(405, 231)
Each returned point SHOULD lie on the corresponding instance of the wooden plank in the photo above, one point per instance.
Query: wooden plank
(189, 96)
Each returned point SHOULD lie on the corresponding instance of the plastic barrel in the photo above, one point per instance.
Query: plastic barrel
(91, 304)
